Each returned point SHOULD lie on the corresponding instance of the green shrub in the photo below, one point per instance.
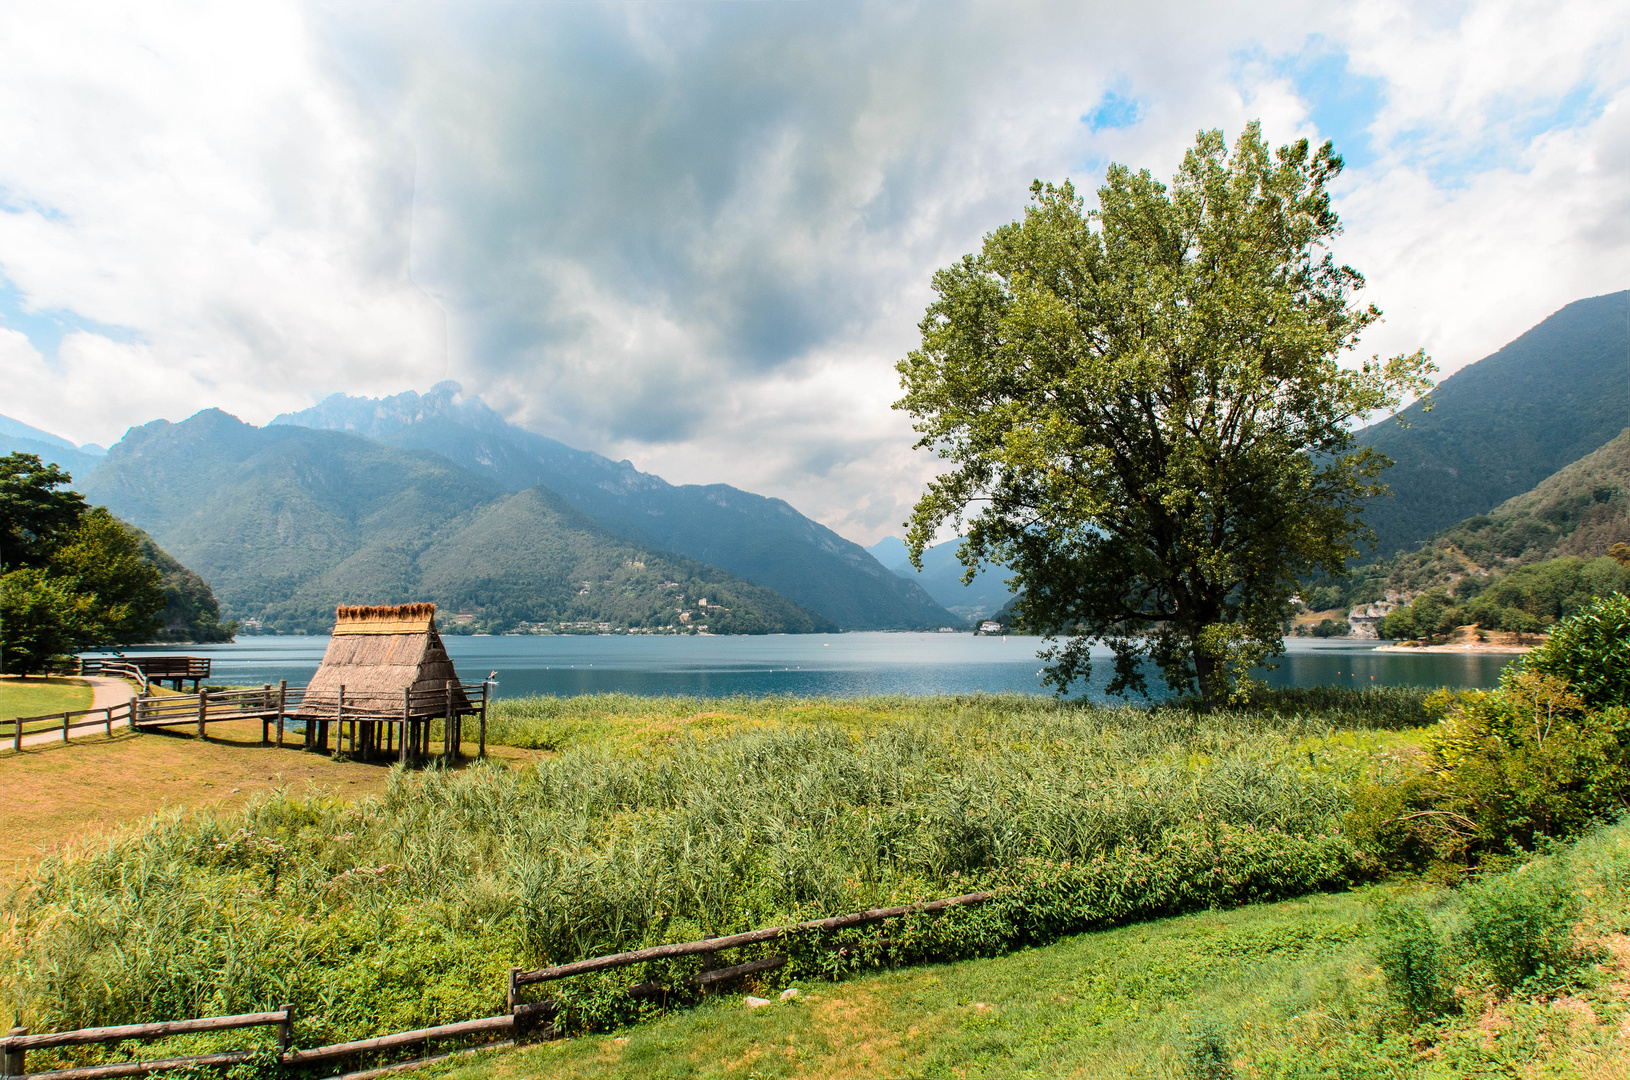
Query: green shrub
(1528, 760)
(1591, 651)
(1518, 926)
(1411, 959)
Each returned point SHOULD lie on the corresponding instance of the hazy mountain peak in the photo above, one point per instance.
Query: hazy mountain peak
(16, 429)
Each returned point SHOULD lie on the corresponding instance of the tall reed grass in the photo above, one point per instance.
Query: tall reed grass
(408, 908)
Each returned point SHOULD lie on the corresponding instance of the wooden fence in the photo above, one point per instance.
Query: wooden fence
(368, 726)
(14, 729)
(518, 1016)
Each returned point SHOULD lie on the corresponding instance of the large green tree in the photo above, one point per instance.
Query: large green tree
(71, 577)
(36, 513)
(1145, 414)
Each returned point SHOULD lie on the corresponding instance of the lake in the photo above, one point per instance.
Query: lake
(841, 665)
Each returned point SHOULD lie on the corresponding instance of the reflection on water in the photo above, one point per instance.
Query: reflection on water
(840, 665)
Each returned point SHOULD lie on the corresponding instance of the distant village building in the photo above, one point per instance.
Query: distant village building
(1362, 621)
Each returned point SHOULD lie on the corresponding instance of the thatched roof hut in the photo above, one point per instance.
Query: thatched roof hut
(378, 654)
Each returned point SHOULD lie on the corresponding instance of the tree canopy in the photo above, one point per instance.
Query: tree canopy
(78, 578)
(1144, 411)
(34, 512)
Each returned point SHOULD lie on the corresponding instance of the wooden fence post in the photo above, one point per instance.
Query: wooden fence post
(285, 1030)
(109, 711)
(282, 701)
(486, 689)
(17, 736)
(447, 725)
(339, 722)
(514, 991)
(203, 708)
(14, 1058)
(64, 727)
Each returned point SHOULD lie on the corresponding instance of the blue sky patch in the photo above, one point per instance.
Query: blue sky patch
(1114, 110)
(1341, 103)
(45, 329)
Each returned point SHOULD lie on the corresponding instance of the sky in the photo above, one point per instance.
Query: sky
(699, 235)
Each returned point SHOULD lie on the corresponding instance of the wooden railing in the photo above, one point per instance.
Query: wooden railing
(365, 725)
(519, 1014)
(115, 668)
(15, 1045)
(15, 728)
(173, 669)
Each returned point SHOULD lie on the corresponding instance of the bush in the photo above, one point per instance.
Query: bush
(1591, 651)
(1412, 961)
(1528, 760)
(1517, 927)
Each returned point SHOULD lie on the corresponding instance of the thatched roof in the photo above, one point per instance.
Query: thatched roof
(376, 654)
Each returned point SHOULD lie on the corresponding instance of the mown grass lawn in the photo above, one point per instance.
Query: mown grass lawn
(37, 696)
(1121, 1002)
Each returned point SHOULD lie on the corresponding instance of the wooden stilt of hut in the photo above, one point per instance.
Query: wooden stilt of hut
(384, 679)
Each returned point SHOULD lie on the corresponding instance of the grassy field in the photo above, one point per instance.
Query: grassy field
(55, 797)
(670, 820)
(37, 696)
(1288, 989)
(377, 899)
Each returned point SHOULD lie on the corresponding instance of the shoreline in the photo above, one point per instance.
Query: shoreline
(1453, 647)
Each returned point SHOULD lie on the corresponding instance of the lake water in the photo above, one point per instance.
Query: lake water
(839, 665)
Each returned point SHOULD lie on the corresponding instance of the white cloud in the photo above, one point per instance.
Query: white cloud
(193, 177)
(700, 236)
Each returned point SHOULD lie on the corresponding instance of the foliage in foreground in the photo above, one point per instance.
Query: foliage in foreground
(408, 909)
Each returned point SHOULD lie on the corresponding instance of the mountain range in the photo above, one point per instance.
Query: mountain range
(758, 539)
(286, 522)
(1582, 510)
(941, 577)
(435, 495)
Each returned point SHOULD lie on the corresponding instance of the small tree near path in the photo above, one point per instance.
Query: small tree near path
(1145, 415)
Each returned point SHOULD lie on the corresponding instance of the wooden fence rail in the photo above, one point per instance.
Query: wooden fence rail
(13, 729)
(519, 978)
(165, 668)
(15, 1045)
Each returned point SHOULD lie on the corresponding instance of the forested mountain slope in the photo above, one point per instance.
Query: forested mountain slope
(760, 539)
(1582, 510)
(1503, 424)
(287, 522)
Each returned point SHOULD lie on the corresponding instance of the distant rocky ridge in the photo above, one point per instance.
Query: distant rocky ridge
(941, 577)
(285, 522)
(758, 539)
